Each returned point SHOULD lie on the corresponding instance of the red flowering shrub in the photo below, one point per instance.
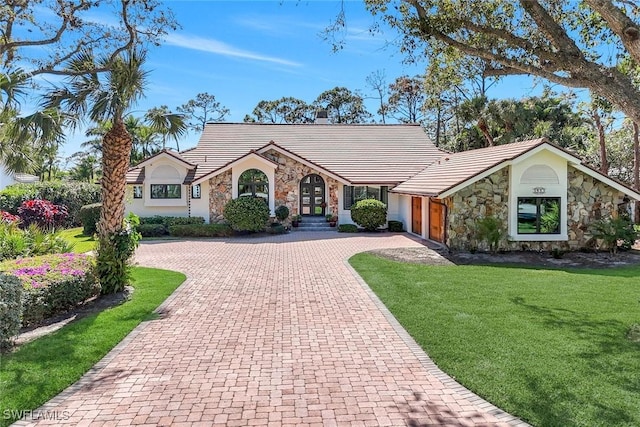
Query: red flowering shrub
(7, 218)
(43, 213)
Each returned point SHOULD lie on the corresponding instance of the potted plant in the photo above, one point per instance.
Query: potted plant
(333, 220)
(328, 217)
(295, 220)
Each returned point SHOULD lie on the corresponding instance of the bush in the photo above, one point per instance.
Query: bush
(247, 214)
(152, 230)
(491, 231)
(42, 213)
(10, 308)
(282, 212)
(276, 229)
(114, 253)
(89, 216)
(16, 242)
(614, 233)
(53, 284)
(7, 218)
(369, 214)
(169, 221)
(201, 230)
(72, 195)
(396, 226)
(347, 228)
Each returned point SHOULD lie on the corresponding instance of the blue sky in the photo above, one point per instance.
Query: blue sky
(247, 51)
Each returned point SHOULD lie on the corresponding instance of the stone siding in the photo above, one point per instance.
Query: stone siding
(287, 186)
(486, 197)
(220, 192)
(588, 200)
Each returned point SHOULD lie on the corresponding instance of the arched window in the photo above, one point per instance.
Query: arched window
(253, 183)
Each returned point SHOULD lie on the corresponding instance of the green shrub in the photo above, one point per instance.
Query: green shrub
(347, 228)
(282, 212)
(169, 221)
(490, 230)
(16, 242)
(396, 226)
(201, 230)
(114, 253)
(276, 229)
(10, 309)
(53, 284)
(152, 220)
(614, 233)
(89, 216)
(152, 230)
(247, 213)
(73, 195)
(369, 214)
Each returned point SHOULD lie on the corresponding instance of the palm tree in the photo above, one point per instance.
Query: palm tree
(167, 124)
(108, 96)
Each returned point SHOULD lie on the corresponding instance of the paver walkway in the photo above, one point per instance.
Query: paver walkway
(274, 330)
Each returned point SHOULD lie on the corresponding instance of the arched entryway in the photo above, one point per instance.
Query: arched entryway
(312, 192)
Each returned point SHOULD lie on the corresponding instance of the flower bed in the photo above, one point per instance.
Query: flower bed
(53, 284)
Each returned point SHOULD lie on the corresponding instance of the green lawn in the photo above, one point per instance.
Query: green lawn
(81, 242)
(548, 346)
(39, 370)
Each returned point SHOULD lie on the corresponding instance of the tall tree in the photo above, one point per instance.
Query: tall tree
(377, 81)
(167, 124)
(407, 98)
(554, 40)
(107, 97)
(204, 108)
(343, 106)
(284, 110)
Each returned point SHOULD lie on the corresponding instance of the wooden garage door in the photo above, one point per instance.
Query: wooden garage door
(416, 215)
(436, 221)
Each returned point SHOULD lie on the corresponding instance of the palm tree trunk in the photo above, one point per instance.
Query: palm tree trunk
(116, 148)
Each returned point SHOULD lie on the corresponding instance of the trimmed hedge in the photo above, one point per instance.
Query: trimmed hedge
(73, 195)
(282, 212)
(53, 284)
(347, 228)
(10, 309)
(276, 229)
(247, 214)
(396, 226)
(201, 230)
(369, 214)
(89, 216)
(152, 230)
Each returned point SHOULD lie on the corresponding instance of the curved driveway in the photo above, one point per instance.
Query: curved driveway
(274, 330)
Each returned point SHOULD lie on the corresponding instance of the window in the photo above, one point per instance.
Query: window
(353, 194)
(195, 191)
(538, 215)
(137, 191)
(166, 191)
(253, 183)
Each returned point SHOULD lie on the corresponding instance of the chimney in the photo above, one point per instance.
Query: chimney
(322, 117)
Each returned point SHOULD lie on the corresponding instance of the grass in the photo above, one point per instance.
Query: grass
(81, 242)
(552, 347)
(41, 369)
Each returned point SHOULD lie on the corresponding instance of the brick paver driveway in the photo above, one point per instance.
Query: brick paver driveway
(270, 331)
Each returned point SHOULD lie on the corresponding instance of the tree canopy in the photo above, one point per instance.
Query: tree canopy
(578, 45)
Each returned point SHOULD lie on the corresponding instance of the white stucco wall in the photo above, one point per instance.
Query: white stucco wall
(536, 167)
(6, 178)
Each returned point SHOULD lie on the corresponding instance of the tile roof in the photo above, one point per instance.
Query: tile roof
(135, 175)
(456, 168)
(362, 153)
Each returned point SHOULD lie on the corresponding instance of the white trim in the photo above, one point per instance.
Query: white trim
(236, 162)
(166, 156)
(539, 238)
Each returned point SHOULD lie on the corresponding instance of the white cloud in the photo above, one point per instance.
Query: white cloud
(221, 48)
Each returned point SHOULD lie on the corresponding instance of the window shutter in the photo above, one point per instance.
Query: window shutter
(384, 195)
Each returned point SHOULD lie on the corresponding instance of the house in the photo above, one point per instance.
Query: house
(8, 178)
(545, 196)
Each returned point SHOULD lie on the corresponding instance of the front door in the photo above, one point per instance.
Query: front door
(416, 215)
(312, 195)
(436, 221)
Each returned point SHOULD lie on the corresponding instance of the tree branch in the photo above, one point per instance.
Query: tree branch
(623, 26)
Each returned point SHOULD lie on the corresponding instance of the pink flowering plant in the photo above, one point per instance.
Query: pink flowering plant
(53, 283)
